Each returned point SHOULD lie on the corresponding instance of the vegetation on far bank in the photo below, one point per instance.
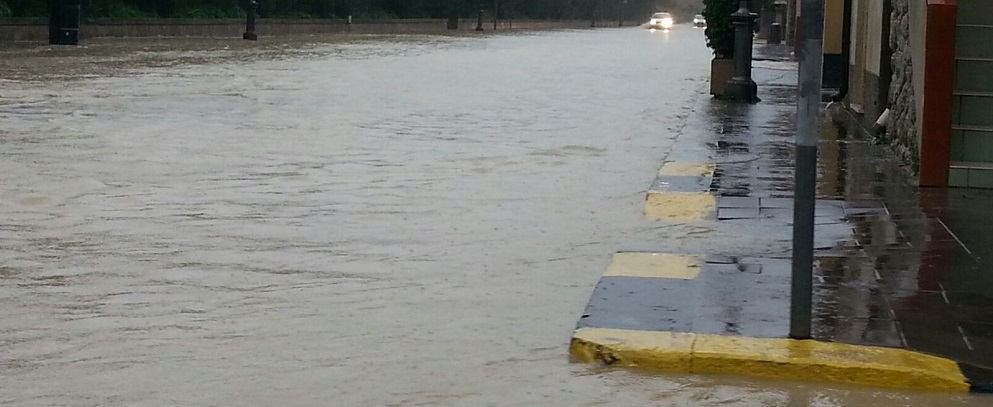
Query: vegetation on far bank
(538, 9)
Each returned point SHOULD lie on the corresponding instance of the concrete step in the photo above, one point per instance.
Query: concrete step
(974, 75)
(974, 41)
(972, 109)
(975, 12)
(971, 174)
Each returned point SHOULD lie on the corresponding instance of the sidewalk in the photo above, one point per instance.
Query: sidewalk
(899, 273)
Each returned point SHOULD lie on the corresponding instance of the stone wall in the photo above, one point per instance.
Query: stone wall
(36, 29)
(877, 73)
(23, 29)
(903, 130)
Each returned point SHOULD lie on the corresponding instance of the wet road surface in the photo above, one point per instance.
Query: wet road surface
(373, 222)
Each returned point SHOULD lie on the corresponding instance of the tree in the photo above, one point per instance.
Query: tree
(720, 31)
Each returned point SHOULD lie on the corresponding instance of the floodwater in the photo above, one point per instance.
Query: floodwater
(412, 221)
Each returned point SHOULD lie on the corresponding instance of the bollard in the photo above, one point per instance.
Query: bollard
(742, 86)
(250, 22)
(775, 34)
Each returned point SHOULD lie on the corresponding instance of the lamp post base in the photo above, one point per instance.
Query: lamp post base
(743, 89)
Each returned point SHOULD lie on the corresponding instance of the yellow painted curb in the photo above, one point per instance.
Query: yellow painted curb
(681, 169)
(654, 265)
(680, 205)
(825, 361)
(651, 350)
(777, 358)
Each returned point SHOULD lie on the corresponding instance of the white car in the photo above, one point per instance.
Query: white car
(699, 21)
(661, 21)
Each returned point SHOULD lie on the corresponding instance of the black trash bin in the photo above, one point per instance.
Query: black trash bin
(775, 34)
(64, 23)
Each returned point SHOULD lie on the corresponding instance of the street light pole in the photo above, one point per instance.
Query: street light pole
(808, 110)
(479, 18)
(742, 86)
(620, 13)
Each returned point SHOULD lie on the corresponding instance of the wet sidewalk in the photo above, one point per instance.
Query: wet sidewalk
(921, 265)
(896, 267)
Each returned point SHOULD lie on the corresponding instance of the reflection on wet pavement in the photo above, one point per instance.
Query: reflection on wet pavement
(889, 271)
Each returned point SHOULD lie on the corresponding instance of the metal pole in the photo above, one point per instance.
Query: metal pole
(808, 109)
(250, 22)
(620, 16)
(791, 22)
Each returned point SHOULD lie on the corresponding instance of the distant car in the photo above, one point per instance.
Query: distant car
(699, 21)
(661, 21)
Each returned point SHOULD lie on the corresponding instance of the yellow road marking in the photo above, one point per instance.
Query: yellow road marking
(655, 265)
(680, 205)
(681, 169)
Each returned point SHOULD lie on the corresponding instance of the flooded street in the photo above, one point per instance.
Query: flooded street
(377, 222)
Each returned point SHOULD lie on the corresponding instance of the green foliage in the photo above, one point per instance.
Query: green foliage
(720, 31)
(115, 9)
(5, 10)
(208, 12)
(376, 14)
(27, 8)
(882, 139)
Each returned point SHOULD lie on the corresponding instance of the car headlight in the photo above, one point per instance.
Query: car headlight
(666, 22)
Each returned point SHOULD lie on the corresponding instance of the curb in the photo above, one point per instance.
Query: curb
(774, 358)
(636, 319)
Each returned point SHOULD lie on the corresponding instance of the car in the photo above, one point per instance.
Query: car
(661, 21)
(699, 21)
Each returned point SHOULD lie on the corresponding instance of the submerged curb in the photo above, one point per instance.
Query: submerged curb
(775, 358)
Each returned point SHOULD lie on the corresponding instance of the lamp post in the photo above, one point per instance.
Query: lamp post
(479, 17)
(742, 86)
(620, 12)
(496, 13)
(250, 23)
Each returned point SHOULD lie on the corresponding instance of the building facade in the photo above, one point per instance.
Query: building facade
(930, 63)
